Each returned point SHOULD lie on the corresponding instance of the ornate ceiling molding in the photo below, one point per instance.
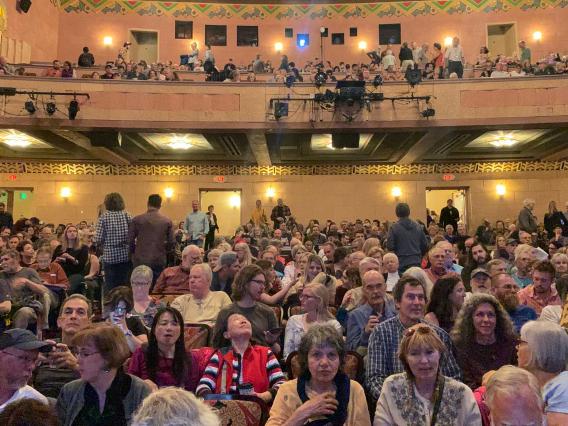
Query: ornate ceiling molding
(291, 12)
(100, 169)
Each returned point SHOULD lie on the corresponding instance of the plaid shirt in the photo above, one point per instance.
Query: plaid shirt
(112, 236)
(382, 357)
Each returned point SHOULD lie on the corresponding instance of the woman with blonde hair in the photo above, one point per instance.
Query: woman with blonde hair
(174, 406)
(244, 256)
(72, 255)
(314, 302)
(369, 244)
(422, 395)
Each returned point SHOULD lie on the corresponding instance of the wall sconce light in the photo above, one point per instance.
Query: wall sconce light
(537, 36)
(235, 201)
(107, 40)
(270, 192)
(169, 193)
(501, 190)
(278, 47)
(396, 192)
(362, 45)
(448, 41)
(65, 192)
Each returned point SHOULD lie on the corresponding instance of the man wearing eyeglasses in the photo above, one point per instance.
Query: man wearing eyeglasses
(19, 351)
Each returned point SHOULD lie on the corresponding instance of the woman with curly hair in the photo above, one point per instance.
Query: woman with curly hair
(484, 338)
(446, 301)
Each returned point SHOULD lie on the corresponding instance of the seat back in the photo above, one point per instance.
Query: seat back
(238, 410)
(293, 365)
(196, 335)
(278, 313)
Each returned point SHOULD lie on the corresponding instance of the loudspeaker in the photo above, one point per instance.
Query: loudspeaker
(344, 140)
(353, 32)
(25, 5)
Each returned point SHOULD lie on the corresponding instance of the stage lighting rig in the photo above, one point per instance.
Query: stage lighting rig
(50, 106)
(320, 79)
(377, 81)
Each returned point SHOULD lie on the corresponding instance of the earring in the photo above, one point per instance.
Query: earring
(106, 369)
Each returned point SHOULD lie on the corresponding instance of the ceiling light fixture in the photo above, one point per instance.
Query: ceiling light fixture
(504, 142)
(16, 141)
(178, 142)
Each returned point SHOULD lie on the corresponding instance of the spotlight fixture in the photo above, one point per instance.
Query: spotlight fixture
(428, 112)
(377, 81)
(290, 79)
(50, 107)
(30, 107)
(320, 79)
(280, 110)
(73, 109)
(413, 76)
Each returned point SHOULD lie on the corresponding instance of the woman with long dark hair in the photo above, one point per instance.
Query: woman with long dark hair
(446, 300)
(165, 362)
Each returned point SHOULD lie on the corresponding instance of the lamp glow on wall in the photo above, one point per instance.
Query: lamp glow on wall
(278, 47)
(501, 190)
(396, 192)
(362, 45)
(537, 36)
(65, 192)
(448, 41)
(270, 192)
(235, 200)
(107, 40)
(169, 193)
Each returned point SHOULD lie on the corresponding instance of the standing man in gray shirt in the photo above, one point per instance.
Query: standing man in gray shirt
(151, 237)
(196, 225)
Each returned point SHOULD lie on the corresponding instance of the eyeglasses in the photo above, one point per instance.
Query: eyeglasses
(82, 354)
(23, 359)
(140, 283)
(119, 310)
(259, 282)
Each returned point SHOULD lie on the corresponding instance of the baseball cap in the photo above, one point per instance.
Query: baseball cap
(226, 259)
(480, 271)
(22, 339)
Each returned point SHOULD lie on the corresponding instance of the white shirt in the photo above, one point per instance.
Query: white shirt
(388, 60)
(500, 74)
(454, 54)
(392, 279)
(25, 392)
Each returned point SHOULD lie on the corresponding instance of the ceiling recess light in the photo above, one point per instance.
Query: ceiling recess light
(179, 143)
(504, 142)
(16, 141)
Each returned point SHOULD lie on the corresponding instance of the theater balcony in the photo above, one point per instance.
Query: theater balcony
(123, 122)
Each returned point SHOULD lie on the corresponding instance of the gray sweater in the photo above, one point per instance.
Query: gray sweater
(71, 400)
(407, 240)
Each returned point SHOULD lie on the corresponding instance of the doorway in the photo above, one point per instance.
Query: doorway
(227, 208)
(18, 201)
(502, 39)
(437, 199)
(144, 46)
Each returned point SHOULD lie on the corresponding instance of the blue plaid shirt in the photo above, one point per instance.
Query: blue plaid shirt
(112, 236)
(382, 355)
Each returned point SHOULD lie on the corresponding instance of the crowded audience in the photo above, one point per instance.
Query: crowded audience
(354, 323)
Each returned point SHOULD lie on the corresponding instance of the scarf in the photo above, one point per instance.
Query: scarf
(342, 393)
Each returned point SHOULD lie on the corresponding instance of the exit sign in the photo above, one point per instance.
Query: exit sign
(448, 177)
(219, 179)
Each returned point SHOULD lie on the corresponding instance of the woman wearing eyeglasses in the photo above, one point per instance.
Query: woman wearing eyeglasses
(118, 304)
(105, 394)
(145, 306)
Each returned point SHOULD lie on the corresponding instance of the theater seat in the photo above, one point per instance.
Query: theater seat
(278, 312)
(238, 410)
(196, 335)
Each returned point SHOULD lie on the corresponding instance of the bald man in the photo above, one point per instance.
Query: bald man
(363, 320)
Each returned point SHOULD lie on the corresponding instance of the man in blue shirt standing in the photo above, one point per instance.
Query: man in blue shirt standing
(196, 225)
